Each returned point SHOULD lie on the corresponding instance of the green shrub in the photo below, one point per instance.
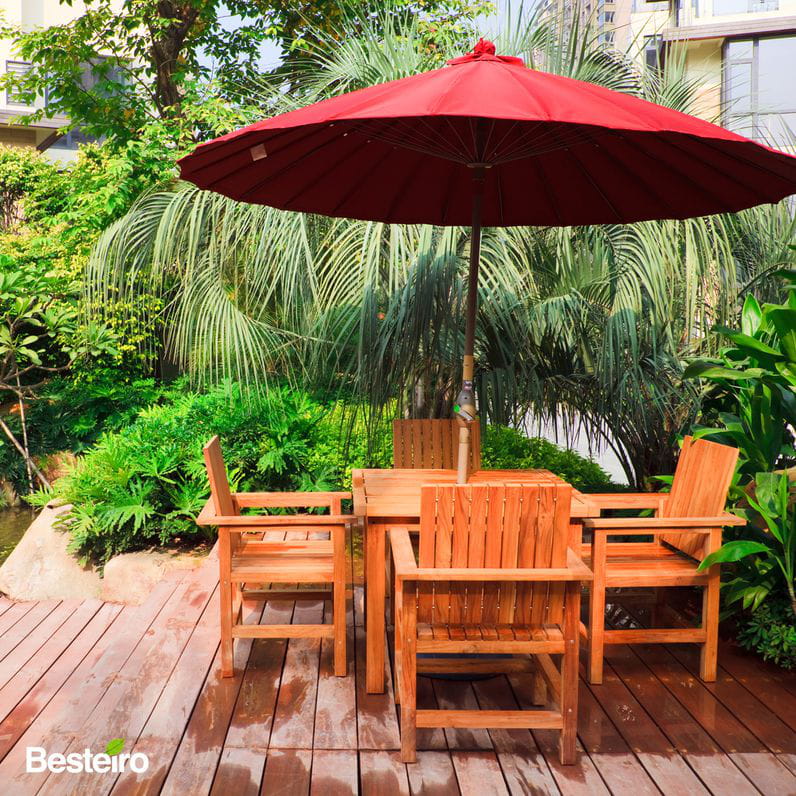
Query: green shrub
(146, 483)
(770, 631)
(503, 447)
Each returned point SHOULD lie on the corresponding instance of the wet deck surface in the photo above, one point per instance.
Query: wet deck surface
(74, 675)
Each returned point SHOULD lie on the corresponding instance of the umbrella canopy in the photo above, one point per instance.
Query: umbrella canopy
(487, 141)
(558, 152)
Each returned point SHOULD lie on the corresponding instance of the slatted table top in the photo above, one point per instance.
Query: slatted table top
(396, 492)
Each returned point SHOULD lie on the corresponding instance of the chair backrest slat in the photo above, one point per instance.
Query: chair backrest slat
(489, 525)
(217, 475)
(699, 489)
(432, 444)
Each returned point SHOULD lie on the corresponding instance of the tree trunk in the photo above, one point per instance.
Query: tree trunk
(39, 474)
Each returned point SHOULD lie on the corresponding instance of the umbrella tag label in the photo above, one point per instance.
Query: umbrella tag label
(258, 152)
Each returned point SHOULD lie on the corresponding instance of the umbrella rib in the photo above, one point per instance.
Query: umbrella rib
(706, 143)
(586, 173)
(678, 170)
(538, 164)
(365, 177)
(454, 174)
(649, 185)
(248, 164)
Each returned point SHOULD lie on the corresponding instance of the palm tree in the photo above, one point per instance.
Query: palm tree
(588, 326)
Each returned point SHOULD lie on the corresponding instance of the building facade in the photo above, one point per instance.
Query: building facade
(42, 134)
(744, 51)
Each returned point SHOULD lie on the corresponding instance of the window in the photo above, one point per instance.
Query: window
(759, 94)
(608, 16)
(652, 51)
(722, 7)
(17, 68)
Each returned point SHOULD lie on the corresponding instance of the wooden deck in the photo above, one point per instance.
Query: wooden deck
(74, 675)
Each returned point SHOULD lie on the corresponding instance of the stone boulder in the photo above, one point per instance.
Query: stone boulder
(130, 577)
(41, 568)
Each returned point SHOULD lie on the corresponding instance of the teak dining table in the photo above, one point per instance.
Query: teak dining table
(389, 498)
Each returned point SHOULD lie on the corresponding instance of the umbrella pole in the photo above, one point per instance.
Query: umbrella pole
(466, 409)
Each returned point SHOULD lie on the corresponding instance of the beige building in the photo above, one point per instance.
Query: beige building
(43, 134)
(744, 51)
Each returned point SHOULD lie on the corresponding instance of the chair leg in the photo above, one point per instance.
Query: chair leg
(225, 594)
(338, 603)
(408, 676)
(569, 675)
(597, 611)
(708, 658)
(397, 594)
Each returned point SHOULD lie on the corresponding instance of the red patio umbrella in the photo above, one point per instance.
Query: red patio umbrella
(487, 141)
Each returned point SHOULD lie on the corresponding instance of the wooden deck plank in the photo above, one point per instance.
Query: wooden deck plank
(754, 713)
(717, 771)
(78, 695)
(42, 657)
(163, 730)
(252, 718)
(36, 637)
(287, 772)
(660, 758)
(13, 614)
(294, 718)
(433, 775)
(382, 773)
(239, 772)
(377, 721)
(198, 753)
(478, 773)
(336, 704)
(583, 778)
(524, 766)
(127, 703)
(37, 698)
(24, 628)
(459, 695)
(759, 676)
(758, 763)
(334, 772)
(153, 672)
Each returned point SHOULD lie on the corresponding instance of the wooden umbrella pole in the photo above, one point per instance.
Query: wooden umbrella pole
(466, 406)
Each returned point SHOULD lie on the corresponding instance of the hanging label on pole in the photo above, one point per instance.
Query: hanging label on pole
(465, 402)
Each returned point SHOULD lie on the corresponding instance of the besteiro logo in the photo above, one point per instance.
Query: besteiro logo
(112, 760)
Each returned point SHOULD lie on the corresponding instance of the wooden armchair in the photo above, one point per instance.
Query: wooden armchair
(433, 444)
(276, 549)
(686, 527)
(494, 576)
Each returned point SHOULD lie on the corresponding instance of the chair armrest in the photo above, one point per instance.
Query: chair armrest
(647, 525)
(576, 564)
(633, 500)
(402, 553)
(207, 516)
(282, 500)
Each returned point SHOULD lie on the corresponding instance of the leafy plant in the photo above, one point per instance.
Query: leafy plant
(774, 549)
(506, 448)
(758, 370)
(770, 631)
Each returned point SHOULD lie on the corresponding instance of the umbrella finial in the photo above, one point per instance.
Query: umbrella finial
(484, 47)
(484, 50)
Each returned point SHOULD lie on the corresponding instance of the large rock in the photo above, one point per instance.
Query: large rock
(41, 568)
(129, 577)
